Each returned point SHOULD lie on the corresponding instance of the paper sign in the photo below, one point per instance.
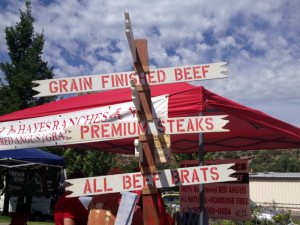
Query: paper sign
(222, 200)
(130, 129)
(160, 179)
(49, 130)
(103, 82)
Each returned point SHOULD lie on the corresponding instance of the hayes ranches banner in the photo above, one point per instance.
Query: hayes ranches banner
(129, 129)
(108, 81)
(160, 179)
(49, 130)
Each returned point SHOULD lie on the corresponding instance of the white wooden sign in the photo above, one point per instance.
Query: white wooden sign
(129, 129)
(160, 179)
(108, 81)
(49, 130)
(126, 208)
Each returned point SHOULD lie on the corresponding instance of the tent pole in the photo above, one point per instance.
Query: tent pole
(203, 220)
(6, 195)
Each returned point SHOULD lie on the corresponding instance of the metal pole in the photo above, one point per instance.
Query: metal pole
(203, 220)
(6, 195)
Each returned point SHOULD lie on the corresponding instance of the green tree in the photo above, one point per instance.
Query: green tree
(90, 162)
(276, 161)
(25, 52)
(231, 155)
(286, 163)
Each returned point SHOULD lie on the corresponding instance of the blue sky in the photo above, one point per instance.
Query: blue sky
(260, 41)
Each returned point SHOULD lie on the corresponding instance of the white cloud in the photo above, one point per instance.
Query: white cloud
(259, 40)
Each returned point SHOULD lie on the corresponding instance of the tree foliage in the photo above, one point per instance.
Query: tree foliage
(25, 49)
(91, 163)
(278, 160)
(25, 52)
(285, 162)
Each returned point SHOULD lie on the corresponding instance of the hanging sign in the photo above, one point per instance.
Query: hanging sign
(111, 81)
(49, 130)
(129, 129)
(160, 179)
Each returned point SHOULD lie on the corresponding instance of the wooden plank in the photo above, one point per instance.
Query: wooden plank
(150, 208)
(150, 204)
(149, 190)
(161, 178)
(130, 38)
(162, 145)
(162, 149)
(145, 98)
(141, 98)
(131, 129)
(148, 164)
(110, 81)
(142, 64)
(126, 208)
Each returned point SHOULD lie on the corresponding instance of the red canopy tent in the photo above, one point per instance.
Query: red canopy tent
(249, 129)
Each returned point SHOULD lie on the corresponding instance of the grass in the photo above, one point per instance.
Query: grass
(4, 219)
(296, 221)
(7, 219)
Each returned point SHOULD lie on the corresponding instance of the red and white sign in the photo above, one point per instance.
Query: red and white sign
(160, 179)
(102, 82)
(49, 130)
(222, 200)
(129, 129)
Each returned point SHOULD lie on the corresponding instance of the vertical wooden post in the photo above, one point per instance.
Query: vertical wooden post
(149, 194)
(139, 52)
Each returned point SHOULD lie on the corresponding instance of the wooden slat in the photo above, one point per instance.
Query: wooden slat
(150, 209)
(148, 164)
(142, 64)
(145, 98)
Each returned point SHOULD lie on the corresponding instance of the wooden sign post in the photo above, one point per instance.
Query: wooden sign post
(151, 130)
(139, 51)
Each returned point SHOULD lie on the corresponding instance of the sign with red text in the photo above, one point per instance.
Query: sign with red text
(160, 179)
(228, 200)
(129, 129)
(49, 130)
(111, 81)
